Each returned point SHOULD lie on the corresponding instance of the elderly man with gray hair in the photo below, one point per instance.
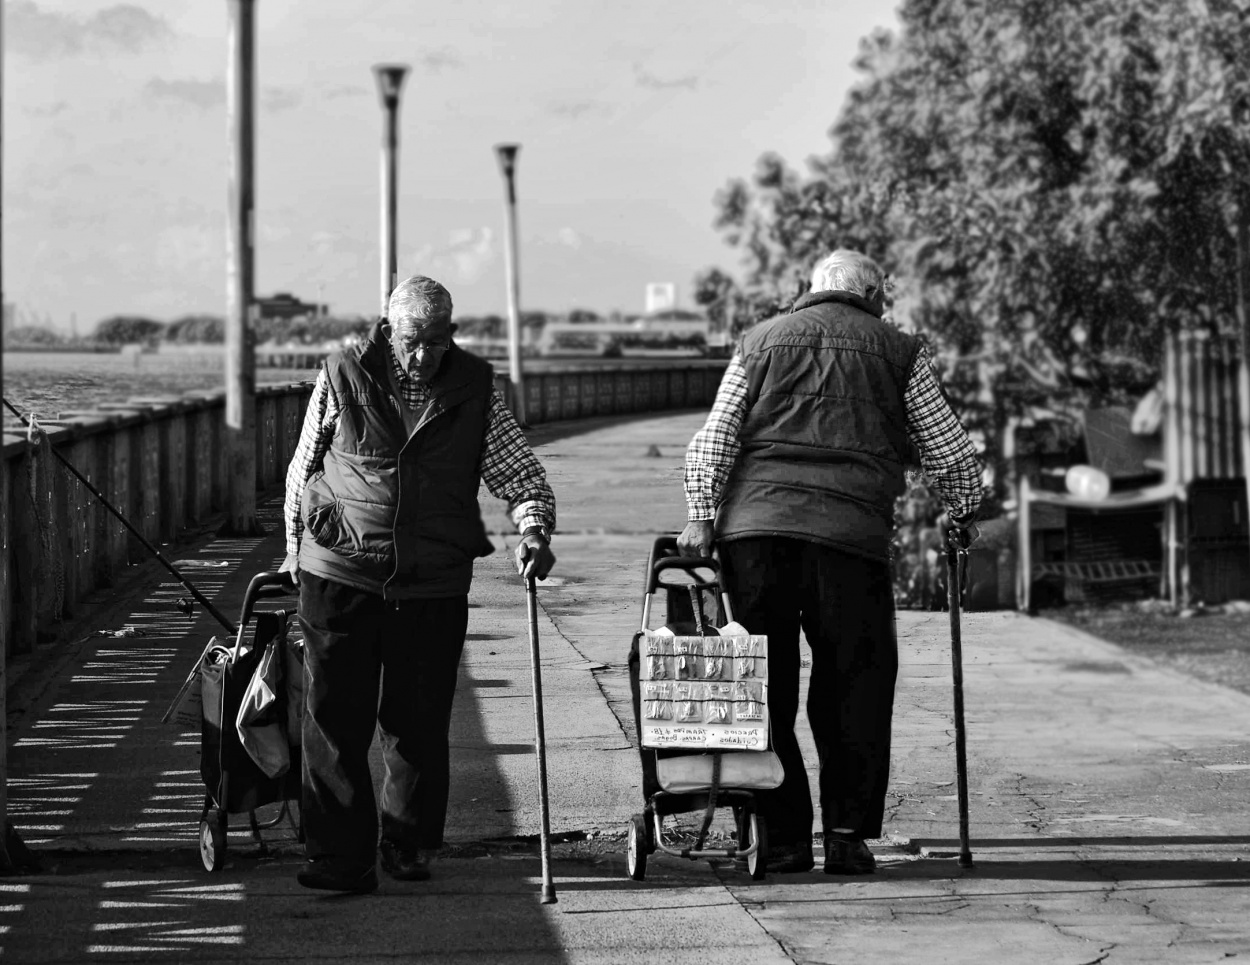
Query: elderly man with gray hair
(383, 526)
(793, 481)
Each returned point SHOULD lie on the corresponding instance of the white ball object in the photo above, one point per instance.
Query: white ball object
(1086, 482)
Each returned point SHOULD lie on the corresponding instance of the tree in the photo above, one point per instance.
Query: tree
(127, 329)
(191, 329)
(1051, 182)
(32, 335)
(583, 315)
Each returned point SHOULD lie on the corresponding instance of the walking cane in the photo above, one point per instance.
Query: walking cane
(549, 887)
(956, 552)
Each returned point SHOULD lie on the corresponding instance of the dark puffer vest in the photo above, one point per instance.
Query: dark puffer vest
(394, 509)
(825, 439)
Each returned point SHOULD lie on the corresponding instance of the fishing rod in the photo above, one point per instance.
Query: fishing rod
(200, 598)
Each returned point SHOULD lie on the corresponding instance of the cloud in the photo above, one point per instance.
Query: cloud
(439, 59)
(644, 78)
(569, 238)
(462, 260)
(344, 90)
(198, 93)
(575, 109)
(47, 35)
(279, 98)
(48, 110)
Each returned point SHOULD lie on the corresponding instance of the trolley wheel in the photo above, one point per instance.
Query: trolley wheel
(636, 848)
(757, 863)
(212, 841)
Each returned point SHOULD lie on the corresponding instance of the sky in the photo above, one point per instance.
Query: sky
(631, 115)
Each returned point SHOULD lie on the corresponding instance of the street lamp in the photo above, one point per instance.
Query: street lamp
(390, 78)
(507, 165)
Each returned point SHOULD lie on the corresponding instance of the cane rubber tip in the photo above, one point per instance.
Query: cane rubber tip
(549, 895)
(965, 861)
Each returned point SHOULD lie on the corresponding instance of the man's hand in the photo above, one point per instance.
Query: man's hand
(534, 557)
(964, 531)
(291, 565)
(696, 539)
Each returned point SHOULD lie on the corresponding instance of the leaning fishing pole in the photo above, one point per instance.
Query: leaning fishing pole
(199, 597)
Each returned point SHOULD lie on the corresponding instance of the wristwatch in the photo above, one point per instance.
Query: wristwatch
(536, 531)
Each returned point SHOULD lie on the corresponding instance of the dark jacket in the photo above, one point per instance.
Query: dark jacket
(825, 439)
(394, 508)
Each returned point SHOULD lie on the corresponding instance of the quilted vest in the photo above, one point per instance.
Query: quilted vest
(825, 439)
(394, 508)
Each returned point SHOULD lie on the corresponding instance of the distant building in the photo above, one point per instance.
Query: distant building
(286, 305)
(661, 296)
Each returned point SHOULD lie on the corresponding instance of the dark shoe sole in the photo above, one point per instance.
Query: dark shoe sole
(856, 869)
(401, 866)
(327, 881)
(845, 862)
(421, 873)
(789, 865)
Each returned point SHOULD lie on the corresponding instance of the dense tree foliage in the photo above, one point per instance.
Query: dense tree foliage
(196, 328)
(32, 335)
(128, 329)
(1051, 183)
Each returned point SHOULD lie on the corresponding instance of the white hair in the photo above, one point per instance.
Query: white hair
(419, 298)
(849, 271)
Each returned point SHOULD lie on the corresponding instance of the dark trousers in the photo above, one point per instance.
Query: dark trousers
(367, 662)
(845, 607)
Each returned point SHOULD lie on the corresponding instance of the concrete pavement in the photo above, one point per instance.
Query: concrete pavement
(1109, 795)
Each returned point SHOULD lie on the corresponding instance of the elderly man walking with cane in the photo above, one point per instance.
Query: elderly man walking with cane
(383, 526)
(793, 480)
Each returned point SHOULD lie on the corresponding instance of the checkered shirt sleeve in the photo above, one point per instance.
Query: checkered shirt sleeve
(510, 469)
(320, 420)
(714, 448)
(946, 453)
(512, 472)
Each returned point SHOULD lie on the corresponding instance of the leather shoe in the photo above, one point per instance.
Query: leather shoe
(784, 859)
(846, 854)
(404, 864)
(334, 874)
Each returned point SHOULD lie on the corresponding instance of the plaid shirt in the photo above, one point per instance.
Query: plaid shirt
(510, 469)
(946, 452)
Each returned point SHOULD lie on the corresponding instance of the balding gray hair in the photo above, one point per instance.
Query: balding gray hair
(421, 299)
(849, 271)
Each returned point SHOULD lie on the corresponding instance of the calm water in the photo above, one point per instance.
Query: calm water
(48, 383)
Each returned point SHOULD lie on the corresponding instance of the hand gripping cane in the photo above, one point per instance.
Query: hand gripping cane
(540, 743)
(956, 552)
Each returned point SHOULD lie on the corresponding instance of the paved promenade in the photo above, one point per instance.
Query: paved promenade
(1110, 797)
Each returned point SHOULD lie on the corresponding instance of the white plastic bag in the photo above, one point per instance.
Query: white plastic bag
(261, 730)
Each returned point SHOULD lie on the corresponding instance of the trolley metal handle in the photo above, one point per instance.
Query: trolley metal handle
(268, 584)
(658, 563)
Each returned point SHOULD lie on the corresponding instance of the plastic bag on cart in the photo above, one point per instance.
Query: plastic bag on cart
(271, 712)
(260, 721)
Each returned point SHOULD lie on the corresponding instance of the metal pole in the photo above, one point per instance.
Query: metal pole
(540, 744)
(956, 552)
(507, 165)
(390, 78)
(240, 263)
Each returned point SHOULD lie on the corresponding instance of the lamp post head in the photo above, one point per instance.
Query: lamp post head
(507, 157)
(390, 78)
